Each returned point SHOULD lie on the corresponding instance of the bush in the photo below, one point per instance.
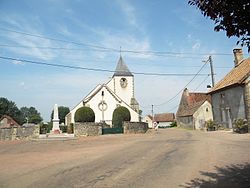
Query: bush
(84, 114)
(240, 126)
(120, 114)
(63, 128)
(173, 124)
(211, 125)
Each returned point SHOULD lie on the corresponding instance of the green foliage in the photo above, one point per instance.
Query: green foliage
(63, 128)
(62, 112)
(120, 114)
(211, 125)
(9, 108)
(31, 115)
(45, 128)
(240, 125)
(173, 124)
(84, 114)
(231, 16)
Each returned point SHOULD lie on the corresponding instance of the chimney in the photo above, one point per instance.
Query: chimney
(238, 56)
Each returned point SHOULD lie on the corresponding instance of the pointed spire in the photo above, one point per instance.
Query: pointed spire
(122, 69)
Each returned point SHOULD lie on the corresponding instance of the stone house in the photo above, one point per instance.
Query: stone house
(105, 98)
(231, 95)
(194, 110)
(163, 119)
(8, 122)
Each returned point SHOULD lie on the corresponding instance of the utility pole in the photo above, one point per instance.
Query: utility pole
(152, 116)
(212, 70)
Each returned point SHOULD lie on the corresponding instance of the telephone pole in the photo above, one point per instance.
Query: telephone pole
(152, 115)
(212, 69)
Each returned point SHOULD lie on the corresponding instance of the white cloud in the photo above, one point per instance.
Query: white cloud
(196, 46)
(129, 12)
(15, 62)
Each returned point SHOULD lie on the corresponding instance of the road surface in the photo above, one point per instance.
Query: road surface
(166, 158)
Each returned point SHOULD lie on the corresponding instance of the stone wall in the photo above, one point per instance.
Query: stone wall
(88, 129)
(185, 122)
(135, 127)
(19, 133)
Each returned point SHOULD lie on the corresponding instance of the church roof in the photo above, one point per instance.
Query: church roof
(122, 69)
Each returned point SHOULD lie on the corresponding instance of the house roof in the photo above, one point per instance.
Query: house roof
(164, 117)
(236, 76)
(190, 102)
(12, 121)
(122, 69)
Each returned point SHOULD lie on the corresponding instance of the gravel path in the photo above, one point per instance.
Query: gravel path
(166, 158)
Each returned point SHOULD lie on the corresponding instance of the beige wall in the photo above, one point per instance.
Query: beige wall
(203, 114)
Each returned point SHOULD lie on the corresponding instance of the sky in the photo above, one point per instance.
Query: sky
(160, 37)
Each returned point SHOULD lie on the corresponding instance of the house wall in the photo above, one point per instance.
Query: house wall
(164, 124)
(203, 114)
(186, 122)
(149, 121)
(247, 99)
(228, 105)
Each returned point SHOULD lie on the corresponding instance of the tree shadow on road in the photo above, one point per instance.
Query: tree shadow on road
(230, 176)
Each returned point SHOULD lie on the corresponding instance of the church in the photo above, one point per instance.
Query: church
(105, 98)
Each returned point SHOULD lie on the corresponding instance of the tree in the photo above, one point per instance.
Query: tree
(232, 16)
(120, 114)
(62, 112)
(9, 108)
(31, 114)
(84, 114)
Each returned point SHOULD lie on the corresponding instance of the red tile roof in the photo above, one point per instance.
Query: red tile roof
(236, 76)
(190, 102)
(164, 117)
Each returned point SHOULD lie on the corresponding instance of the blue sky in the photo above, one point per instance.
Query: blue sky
(159, 26)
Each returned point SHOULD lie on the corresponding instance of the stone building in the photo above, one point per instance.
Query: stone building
(8, 122)
(231, 95)
(194, 110)
(105, 98)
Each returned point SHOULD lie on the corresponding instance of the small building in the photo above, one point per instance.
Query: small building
(162, 120)
(194, 110)
(231, 95)
(8, 122)
(105, 98)
(149, 120)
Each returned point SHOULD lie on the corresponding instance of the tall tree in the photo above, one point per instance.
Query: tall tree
(9, 108)
(232, 16)
(62, 112)
(31, 114)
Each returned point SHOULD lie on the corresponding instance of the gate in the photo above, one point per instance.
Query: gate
(114, 130)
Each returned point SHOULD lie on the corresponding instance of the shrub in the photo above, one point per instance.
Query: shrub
(84, 114)
(240, 126)
(173, 124)
(211, 125)
(63, 128)
(120, 114)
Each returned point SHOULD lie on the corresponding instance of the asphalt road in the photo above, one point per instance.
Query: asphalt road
(166, 158)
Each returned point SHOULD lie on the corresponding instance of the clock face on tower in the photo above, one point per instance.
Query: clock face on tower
(123, 82)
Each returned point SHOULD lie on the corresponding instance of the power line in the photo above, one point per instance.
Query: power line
(202, 82)
(95, 69)
(145, 52)
(184, 86)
